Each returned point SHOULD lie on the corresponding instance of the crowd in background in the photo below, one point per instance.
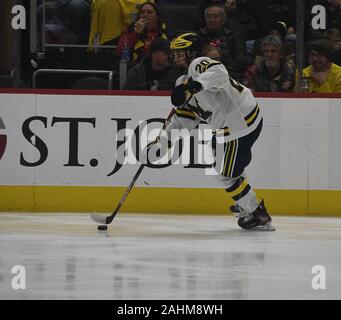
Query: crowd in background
(254, 39)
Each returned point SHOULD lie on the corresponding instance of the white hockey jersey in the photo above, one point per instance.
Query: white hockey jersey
(226, 105)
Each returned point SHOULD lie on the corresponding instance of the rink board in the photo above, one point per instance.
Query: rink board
(60, 152)
(166, 200)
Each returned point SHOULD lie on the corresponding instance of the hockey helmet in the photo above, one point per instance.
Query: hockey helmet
(189, 42)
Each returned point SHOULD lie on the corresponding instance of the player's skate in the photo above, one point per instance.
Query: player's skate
(257, 220)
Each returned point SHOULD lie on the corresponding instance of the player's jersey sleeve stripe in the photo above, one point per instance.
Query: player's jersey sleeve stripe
(185, 114)
(252, 116)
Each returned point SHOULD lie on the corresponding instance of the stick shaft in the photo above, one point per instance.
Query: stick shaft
(108, 219)
(132, 183)
(137, 174)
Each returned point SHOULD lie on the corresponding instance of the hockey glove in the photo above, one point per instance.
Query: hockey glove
(183, 91)
(178, 97)
(193, 86)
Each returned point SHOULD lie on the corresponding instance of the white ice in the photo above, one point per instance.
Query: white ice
(168, 257)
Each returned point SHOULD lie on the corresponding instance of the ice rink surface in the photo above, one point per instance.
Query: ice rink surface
(183, 257)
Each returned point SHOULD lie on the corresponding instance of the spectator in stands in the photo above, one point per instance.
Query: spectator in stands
(323, 75)
(212, 52)
(109, 18)
(140, 34)
(284, 10)
(203, 4)
(279, 29)
(107, 22)
(253, 17)
(217, 33)
(66, 21)
(334, 36)
(156, 71)
(272, 73)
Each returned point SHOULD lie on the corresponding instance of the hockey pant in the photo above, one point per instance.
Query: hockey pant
(234, 158)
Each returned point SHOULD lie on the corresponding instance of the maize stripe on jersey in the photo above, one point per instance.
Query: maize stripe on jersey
(185, 114)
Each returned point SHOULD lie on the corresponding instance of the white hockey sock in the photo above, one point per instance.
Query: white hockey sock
(240, 191)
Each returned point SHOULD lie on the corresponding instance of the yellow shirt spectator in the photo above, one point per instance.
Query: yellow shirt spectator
(332, 81)
(323, 75)
(109, 18)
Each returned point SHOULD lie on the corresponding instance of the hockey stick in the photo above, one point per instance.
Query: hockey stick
(98, 218)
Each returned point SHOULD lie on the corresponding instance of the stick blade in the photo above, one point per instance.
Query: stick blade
(99, 218)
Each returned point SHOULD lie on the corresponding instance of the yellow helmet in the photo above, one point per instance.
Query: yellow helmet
(187, 41)
(190, 42)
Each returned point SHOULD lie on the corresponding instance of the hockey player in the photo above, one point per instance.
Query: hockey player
(206, 93)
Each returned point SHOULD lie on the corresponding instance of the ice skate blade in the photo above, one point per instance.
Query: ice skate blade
(265, 227)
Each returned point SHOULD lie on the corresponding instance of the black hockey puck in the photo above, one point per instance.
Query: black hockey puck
(102, 227)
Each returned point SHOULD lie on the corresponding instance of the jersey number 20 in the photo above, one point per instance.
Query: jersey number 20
(203, 65)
